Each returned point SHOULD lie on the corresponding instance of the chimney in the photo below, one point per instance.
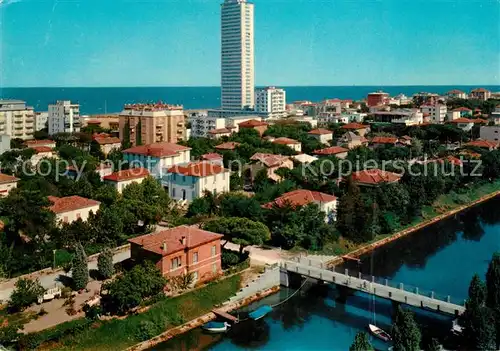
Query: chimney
(164, 246)
(183, 241)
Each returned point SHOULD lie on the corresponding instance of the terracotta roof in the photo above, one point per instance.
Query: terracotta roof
(462, 120)
(479, 121)
(406, 137)
(455, 91)
(384, 140)
(228, 146)
(40, 149)
(375, 176)
(93, 121)
(172, 239)
(320, 131)
(252, 123)
(211, 157)
(5, 178)
(198, 169)
(482, 143)
(470, 153)
(107, 140)
(330, 151)
(462, 109)
(128, 174)
(219, 131)
(285, 141)
(354, 126)
(157, 149)
(269, 160)
(70, 203)
(480, 90)
(426, 114)
(300, 198)
(39, 142)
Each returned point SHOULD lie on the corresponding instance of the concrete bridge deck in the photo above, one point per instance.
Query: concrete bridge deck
(307, 268)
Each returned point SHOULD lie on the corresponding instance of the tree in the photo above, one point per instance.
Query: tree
(80, 271)
(405, 331)
(416, 147)
(236, 182)
(493, 291)
(352, 219)
(105, 264)
(25, 294)
(239, 205)
(433, 345)
(361, 343)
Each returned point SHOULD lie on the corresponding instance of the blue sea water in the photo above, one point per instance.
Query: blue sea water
(101, 100)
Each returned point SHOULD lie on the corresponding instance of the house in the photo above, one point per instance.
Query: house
(71, 208)
(157, 157)
(291, 143)
(336, 151)
(191, 181)
(383, 140)
(322, 135)
(408, 117)
(270, 162)
(463, 123)
(219, 133)
(456, 94)
(361, 129)
(121, 179)
(304, 158)
(495, 115)
(351, 140)
(374, 177)
(232, 145)
(104, 169)
(7, 183)
(259, 126)
(480, 94)
(106, 142)
(212, 157)
(41, 152)
(35, 143)
(327, 203)
(464, 111)
(483, 144)
(181, 250)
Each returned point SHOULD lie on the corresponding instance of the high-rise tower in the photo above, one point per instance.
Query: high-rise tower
(237, 55)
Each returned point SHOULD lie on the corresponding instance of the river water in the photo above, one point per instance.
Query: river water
(440, 258)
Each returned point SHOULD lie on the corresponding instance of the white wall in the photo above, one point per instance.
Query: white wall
(71, 216)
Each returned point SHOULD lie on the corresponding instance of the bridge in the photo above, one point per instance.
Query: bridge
(317, 270)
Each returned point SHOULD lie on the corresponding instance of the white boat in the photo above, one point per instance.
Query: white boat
(216, 327)
(379, 333)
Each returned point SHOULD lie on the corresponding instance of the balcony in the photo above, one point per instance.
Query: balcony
(18, 122)
(18, 128)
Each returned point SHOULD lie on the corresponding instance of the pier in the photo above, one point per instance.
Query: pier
(224, 315)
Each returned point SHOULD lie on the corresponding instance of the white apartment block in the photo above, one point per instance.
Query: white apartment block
(16, 119)
(490, 133)
(41, 119)
(64, 117)
(237, 55)
(271, 102)
(436, 112)
(202, 124)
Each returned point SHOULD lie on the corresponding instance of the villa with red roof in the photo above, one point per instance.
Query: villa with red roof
(179, 251)
(361, 129)
(232, 145)
(219, 133)
(480, 94)
(121, 179)
(35, 143)
(212, 157)
(336, 151)
(465, 124)
(291, 143)
(327, 203)
(106, 142)
(41, 152)
(322, 135)
(374, 177)
(71, 208)
(270, 162)
(483, 144)
(257, 125)
(187, 182)
(7, 183)
(383, 140)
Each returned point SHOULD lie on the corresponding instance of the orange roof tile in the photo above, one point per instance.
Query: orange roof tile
(384, 140)
(375, 176)
(198, 169)
(39, 142)
(451, 159)
(479, 121)
(285, 141)
(252, 123)
(211, 157)
(157, 149)
(220, 131)
(320, 131)
(462, 120)
(101, 140)
(482, 144)
(127, 174)
(228, 146)
(269, 160)
(173, 239)
(300, 198)
(330, 151)
(40, 149)
(354, 126)
(70, 203)
(465, 109)
(5, 178)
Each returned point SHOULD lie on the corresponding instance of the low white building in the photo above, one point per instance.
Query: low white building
(436, 112)
(187, 182)
(121, 179)
(291, 143)
(7, 183)
(456, 94)
(271, 102)
(463, 123)
(41, 152)
(495, 115)
(64, 117)
(36, 143)
(71, 208)
(304, 158)
(407, 117)
(322, 135)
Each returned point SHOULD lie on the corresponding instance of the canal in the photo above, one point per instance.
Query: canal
(441, 258)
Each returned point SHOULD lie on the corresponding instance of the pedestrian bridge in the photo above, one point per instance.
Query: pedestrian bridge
(370, 285)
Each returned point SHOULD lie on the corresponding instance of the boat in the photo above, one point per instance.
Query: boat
(456, 328)
(260, 312)
(216, 327)
(379, 333)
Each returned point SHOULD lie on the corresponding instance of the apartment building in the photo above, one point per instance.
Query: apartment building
(377, 98)
(480, 94)
(456, 94)
(41, 119)
(64, 117)
(152, 123)
(16, 119)
(435, 112)
(271, 102)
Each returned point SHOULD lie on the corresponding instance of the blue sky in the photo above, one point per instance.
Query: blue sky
(298, 42)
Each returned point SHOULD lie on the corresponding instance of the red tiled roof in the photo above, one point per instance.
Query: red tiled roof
(128, 174)
(39, 142)
(286, 141)
(93, 121)
(482, 143)
(384, 140)
(479, 121)
(330, 151)
(157, 149)
(375, 176)
(462, 120)
(455, 91)
(462, 109)
(197, 169)
(269, 160)
(228, 146)
(173, 239)
(220, 131)
(354, 126)
(320, 131)
(70, 203)
(480, 90)
(5, 178)
(300, 198)
(211, 157)
(107, 140)
(39, 149)
(252, 123)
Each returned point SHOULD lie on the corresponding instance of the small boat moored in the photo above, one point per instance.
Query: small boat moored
(379, 333)
(216, 327)
(260, 312)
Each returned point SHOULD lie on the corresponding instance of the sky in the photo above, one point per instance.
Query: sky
(108, 43)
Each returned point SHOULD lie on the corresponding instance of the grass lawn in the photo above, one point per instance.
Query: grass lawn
(165, 314)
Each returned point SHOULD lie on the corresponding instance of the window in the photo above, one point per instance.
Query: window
(78, 216)
(214, 268)
(195, 277)
(176, 262)
(195, 257)
(65, 219)
(213, 250)
(173, 192)
(183, 194)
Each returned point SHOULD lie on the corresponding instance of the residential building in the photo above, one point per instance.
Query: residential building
(271, 163)
(41, 120)
(464, 111)
(332, 117)
(374, 177)
(219, 133)
(71, 208)
(377, 98)
(232, 145)
(35, 143)
(304, 158)
(322, 135)
(7, 183)
(425, 98)
(306, 119)
(465, 124)
(121, 179)
(437, 112)
(157, 157)
(271, 102)
(190, 181)
(456, 94)
(351, 140)
(383, 140)
(452, 115)
(152, 123)
(483, 144)
(213, 158)
(237, 55)
(408, 117)
(64, 117)
(336, 151)
(4, 143)
(111, 122)
(16, 119)
(107, 143)
(291, 143)
(360, 129)
(254, 124)
(202, 123)
(480, 94)
(41, 152)
(326, 203)
(495, 115)
(332, 106)
(180, 251)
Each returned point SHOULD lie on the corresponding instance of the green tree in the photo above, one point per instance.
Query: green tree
(416, 147)
(352, 219)
(433, 345)
(95, 150)
(105, 264)
(26, 293)
(361, 343)
(405, 331)
(80, 271)
(493, 291)
(239, 205)
(236, 182)
(198, 207)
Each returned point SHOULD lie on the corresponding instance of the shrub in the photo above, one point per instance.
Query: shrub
(25, 294)
(229, 258)
(9, 334)
(80, 272)
(182, 282)
(146, 330)
(105, 264)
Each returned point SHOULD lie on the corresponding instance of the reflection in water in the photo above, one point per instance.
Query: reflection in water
(250, 334)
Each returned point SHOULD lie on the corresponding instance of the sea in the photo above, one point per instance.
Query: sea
(111, 100)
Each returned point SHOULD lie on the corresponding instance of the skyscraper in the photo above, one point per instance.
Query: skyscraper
(237, 55)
